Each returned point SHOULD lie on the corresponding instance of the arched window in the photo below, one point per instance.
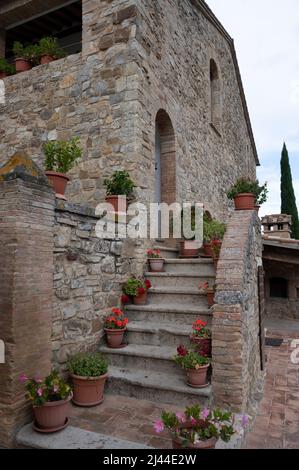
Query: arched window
(215, 95)
(165, 159)
(279, 288)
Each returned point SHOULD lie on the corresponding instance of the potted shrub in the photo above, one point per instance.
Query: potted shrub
(213, 230)
(156, 262)
(137, 290)
(25, 57)
(209, 291)
(50, 399)
(261, 196)
(49, 50)
(202, 337)
(195, 365)
(189, 248)
(6, 68)
(245, 193)
(88, 372)
(61, 156)
(115, 326)
(198, 428)
(119, 188)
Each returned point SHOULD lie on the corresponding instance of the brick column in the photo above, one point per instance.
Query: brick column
(237, 376)
(26, 286)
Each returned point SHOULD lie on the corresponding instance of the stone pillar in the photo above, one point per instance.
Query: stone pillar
(26, 286)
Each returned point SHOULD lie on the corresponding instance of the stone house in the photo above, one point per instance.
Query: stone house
(155, 88)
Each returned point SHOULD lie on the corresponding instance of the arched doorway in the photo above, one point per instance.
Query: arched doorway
(165, 188)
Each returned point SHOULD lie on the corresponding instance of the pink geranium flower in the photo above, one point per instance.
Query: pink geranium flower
(23, 378)
(159, 426)
(55, 389)
(245, 421)
(205, 413)
(40, 392)
(192, 420)
(181, 417)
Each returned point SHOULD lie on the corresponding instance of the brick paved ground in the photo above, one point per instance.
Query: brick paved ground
(277, 424)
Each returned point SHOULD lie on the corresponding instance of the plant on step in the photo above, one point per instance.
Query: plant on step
(200, 330)
(61, 155)
(201, 338)
(196, 366)
(135, 286)
(125, 299)
(213, 229)
(156, 262)
(6, 67)
(119, 184)
(209, 291)
(199, 427)
(49, 46)
(115, 325)
(88, 364)
(154, 254)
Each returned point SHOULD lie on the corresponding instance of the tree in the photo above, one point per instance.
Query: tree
(288, 199)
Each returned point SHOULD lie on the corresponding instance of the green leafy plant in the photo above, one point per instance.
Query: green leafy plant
(50, 46)
(29, 52)
(61, 155)
(40, 391)
(190, 360)
(119, 184)
(89, 364)
(244, 185)
(262, 194)
(6, 67)
(134, 287)
(198, 424)
(213, 229)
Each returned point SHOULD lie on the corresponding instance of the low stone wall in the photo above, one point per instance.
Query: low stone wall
(89, 272)
(237, 375)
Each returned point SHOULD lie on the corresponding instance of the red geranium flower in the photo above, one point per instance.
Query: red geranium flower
(182, 351)
(141, 290)
(148, 283)
(125, 299)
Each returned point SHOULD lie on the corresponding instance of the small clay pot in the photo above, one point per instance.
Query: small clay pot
(114, 337)
(88, 391)
(59, 182)
(189, 249)
(244, 201)
(203, 345)
(208, 250)
(46, 59)
(120, 204)
(156, 265)
(22, 65)
(140, 299)
(197, 378)
(52, 416)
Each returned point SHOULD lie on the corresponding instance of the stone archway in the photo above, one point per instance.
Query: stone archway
(165, 159)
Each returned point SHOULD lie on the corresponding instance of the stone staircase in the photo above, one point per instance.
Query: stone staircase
(145, 368)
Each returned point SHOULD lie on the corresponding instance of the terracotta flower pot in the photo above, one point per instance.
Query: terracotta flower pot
(245, 201)
(208, 249)
(88, 391)
(59, 182)
(22, 65)
(140, 299)
(203, 345)
(189, 249)
(46, 59)
(178, 443)
(52, 416)
(210, 297)
(119, 204)
(3, 75)
(156, 265)
(114, 337)
(197, 378)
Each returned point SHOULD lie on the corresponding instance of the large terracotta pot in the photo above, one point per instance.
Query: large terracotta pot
(189, 249)
(210, 297)
(208, 250)
(46, 59)
(114, 338)
(198, 377)
(140, 299)
(22, 65)
(156, 265)
(178, 443)
(59, 182)
(119, 204)
(244, 201)
(203, 345)
(88, 391)
(52, 416)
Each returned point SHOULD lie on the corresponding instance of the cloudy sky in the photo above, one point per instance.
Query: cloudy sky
(266, 34)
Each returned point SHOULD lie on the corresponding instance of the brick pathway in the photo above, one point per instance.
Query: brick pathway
(277, 424)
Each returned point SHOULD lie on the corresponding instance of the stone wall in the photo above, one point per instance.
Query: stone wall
(88, 276)
(138, 57)
(237, 376)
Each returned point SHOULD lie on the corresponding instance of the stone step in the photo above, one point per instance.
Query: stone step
(174, 296)
(198, 266)
(178, 279)
(149, 333)
(167, 252)
(161, 314)
(145, 357)
(156, 386)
